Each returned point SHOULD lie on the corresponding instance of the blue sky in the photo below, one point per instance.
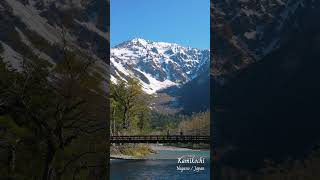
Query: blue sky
(185, 22)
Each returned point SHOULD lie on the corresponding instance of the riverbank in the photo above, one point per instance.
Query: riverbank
(130, 151)
(149, 151)
(192, 146)
(159, 147)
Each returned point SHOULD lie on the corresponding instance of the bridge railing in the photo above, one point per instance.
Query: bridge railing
(159, 138)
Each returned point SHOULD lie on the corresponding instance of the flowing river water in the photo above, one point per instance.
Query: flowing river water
(165, 165)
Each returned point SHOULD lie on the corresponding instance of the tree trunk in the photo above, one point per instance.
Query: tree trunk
(124, 123)
(114, 125)
(12, 159)
(113, 131)
(48, 160)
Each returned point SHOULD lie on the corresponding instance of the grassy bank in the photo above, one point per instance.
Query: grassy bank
(191, 146)
(135, 150)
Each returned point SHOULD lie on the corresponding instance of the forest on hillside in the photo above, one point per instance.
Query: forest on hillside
(132, 114)
(52, 118)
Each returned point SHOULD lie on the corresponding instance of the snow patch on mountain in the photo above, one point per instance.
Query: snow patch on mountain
(154, 85)
(34, 22)
(250, 35)
(36, 51)
(90, 26)
(11, 56)
(157, 65)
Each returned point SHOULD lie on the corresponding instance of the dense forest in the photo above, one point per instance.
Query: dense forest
(132, 113)
(303, 169)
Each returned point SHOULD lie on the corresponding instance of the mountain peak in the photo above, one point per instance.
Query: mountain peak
(143, 42)
(157, 65)
(139, 40)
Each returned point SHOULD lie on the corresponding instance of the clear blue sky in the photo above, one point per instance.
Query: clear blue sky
(185, 22)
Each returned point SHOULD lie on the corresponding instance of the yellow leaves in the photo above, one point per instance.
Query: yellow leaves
(197, 123)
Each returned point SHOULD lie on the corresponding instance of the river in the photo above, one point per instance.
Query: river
(164, 165)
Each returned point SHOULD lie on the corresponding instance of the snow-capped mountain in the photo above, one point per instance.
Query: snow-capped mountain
(157, 65)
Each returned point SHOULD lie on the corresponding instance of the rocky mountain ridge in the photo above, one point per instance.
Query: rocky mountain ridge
(157, 65)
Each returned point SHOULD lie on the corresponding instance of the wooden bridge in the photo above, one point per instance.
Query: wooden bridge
(161, 139)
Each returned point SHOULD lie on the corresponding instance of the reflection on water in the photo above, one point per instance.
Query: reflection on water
(161, 166)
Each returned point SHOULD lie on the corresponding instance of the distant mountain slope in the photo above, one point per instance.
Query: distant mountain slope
(35, 28)
(157, 65)
(270, 110)
(246, 31)
(194, 96)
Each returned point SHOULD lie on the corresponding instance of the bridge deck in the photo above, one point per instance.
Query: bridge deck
(160, 139)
